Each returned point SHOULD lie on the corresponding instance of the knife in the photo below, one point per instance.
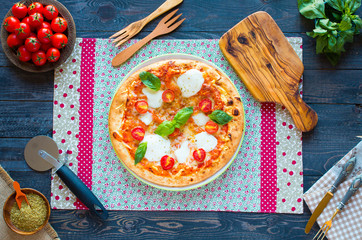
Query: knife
(347, 169)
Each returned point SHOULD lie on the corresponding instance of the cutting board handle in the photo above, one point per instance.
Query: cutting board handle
(304, 117)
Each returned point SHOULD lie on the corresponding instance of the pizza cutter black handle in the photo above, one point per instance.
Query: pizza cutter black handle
(83, 193)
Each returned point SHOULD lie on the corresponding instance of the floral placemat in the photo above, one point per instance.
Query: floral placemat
(266, 175)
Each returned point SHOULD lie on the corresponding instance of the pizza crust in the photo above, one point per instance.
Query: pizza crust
(232, 105)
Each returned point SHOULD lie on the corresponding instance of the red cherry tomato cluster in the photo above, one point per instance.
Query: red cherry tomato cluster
(36, 32)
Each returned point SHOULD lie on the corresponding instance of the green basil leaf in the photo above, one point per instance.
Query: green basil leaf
(352, 5)
(165, 128)
(220, 117)
(140, 152)
(336, 4)
(345, 24)
(182, 116)
(150, 80)
(321, 43)
(327, 24)
(311, 9)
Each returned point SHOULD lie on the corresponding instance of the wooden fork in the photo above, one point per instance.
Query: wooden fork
(164, 26)
(134, 28)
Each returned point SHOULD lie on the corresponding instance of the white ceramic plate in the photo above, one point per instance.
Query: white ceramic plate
(218, 173)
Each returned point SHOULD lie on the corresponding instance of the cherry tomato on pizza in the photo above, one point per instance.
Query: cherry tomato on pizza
(199, 155)
(167, 162)
(141, 106)
(44, 35)
(11, 23)
(23, 54)
(35, 7)
(32, 44)
(53, 55)
(39, 58)
(13, 41)
(23, 31)
(36, 20)
(168, 96)
(50, 12)
(59, 40)
(138, 133)
(205, 105)
(211, 127)
(19, 10)
(59, 24)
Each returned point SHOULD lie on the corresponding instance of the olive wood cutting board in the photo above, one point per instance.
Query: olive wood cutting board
(267, 64)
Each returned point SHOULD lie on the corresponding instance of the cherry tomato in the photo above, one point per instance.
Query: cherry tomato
(211, 127)
(168, 96)
(205, 105)
(39, 58)
(11, 23)
(199, 155)
(59, 40)
(175, 133)
(23, 54)
(19, 10)
(138, 133)
(27, 21)
(45, 25)
(36, 20)
(44, 35)
(32, 34)
(45, 46)
(35, 7)
(13, 40)
(59, 24)
(53, 55)
(167, 162)
(23, 31)
(50, 12)
(32, 44)
(141, 106)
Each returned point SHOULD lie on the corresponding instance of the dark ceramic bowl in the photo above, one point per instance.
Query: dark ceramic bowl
(64, 52)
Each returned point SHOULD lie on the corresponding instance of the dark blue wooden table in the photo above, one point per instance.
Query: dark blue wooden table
(333, 92)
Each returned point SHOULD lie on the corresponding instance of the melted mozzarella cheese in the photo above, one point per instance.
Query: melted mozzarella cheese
(200, 119)
(154, 98)
(157, 147)
(205, 141)
(146, 118)
(183, 152)
(190, 82)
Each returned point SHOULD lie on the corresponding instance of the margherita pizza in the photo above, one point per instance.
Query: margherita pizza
(176, 123)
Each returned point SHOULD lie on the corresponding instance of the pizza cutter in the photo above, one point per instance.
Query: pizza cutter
(41, 154)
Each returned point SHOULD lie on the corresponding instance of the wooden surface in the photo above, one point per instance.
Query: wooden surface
(268, 65)
(334, 93)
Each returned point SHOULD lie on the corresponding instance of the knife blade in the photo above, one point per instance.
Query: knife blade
(347, 169)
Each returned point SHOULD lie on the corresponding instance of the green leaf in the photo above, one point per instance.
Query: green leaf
(327, 24)
(150, 80)
(140, 152)
(182, 116)
(165, 128)
(352, 5)
(333, 58)
(332, 41)
(336, 4)
(321, 43)
(311, 9)
(220, 117)
(345, 24)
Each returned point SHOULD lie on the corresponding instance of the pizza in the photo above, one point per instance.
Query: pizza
(175, 123)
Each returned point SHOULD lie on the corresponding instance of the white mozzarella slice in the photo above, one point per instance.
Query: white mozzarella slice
(146, 118)
(205, 141)
(183, 152)
(157, 147)
(190, 82)
(154, 98)
(200, 119)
